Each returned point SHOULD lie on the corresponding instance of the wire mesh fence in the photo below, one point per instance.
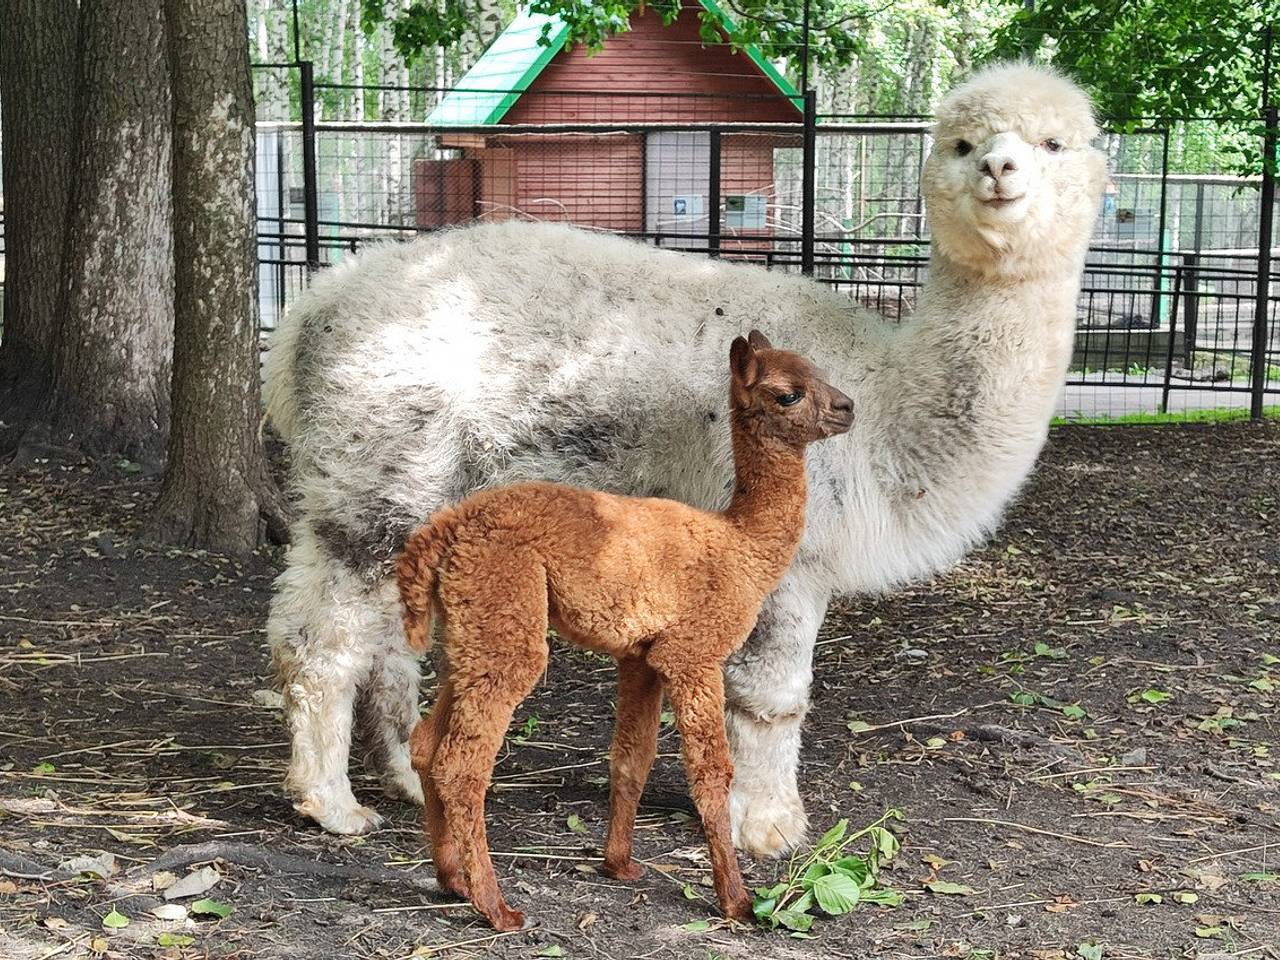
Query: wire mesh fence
(1166, 318)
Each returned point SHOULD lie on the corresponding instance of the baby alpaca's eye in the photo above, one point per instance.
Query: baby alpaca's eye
(787, 399)
(963, 148)
(1053, 144)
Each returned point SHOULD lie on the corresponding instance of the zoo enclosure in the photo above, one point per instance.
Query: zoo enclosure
(1177, 310)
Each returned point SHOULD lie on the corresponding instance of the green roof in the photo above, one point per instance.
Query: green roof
(515, 58)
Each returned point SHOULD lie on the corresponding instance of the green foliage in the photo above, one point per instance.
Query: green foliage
(1155, 62)
(831, 878)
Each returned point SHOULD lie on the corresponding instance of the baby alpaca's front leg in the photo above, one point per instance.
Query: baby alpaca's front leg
(635, 743)
(697, 696)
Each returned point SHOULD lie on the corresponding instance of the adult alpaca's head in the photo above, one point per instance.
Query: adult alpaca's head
(1012, 184)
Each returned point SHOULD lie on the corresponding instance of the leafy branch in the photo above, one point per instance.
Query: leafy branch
(831, 878)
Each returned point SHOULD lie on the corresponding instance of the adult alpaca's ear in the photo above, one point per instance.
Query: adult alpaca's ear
(744, 369)
(758, 341)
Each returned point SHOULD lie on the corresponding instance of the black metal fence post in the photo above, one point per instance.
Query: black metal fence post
(310, 203)
(713, 195)
(1259, 351)
(808, 181)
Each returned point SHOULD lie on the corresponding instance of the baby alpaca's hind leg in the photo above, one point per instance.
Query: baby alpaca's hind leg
(496, 642)
(635, 743)
(697, 697)
(423, 744)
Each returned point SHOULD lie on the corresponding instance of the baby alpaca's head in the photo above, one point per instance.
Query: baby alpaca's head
(784, 393)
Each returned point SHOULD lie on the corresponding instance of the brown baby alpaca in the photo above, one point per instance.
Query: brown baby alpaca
(668, 590)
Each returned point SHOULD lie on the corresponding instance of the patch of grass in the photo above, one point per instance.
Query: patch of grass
(1187, 416)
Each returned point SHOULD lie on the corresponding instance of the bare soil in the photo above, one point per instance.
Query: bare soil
(1079, 725)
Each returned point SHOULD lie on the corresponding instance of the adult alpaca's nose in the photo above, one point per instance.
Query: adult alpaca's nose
(996, 165)
(841, 403)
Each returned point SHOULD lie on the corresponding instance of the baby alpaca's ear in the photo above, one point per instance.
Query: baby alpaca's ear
(743, 363)
(759, 341)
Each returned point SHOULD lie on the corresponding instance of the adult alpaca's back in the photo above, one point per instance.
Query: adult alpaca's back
(395, 381)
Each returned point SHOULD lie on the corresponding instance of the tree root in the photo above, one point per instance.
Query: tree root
(20, 868)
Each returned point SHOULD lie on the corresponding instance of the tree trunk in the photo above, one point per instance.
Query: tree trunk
(112, 370)
(216, 489)
(37, 102)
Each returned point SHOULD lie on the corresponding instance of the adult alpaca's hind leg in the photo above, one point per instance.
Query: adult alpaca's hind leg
(319, 629)
(387, 708)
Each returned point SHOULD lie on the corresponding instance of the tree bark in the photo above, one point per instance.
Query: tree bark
(216, 489)
(37, 101)
(112, 368)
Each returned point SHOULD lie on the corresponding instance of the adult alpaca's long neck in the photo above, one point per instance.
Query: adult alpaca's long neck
(769, 493)
(958, 411)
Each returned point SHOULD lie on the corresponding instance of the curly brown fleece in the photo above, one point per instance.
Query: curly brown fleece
(668, 590)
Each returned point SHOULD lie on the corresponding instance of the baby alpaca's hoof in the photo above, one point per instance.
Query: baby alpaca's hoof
(626, 871)
(504, 920)
(451, 881)
(739, 908)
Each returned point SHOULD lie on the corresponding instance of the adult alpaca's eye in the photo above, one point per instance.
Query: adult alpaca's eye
(787, 399)
(1053, 144)
(963, 148)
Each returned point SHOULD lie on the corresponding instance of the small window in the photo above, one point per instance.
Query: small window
(745, 212)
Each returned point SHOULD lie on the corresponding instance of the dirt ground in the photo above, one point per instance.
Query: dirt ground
(1079, 726)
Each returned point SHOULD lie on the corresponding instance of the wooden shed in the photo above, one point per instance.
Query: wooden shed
(654, 85)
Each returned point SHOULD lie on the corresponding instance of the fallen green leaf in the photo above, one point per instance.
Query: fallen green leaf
(174, 940)
(836, 893)
(211, 908)
(1089, 951)
(1261, 877)
(555, 950)
(696, 926)
(1154, 696)
(115, 920)
(1148, 898)
(575, 823)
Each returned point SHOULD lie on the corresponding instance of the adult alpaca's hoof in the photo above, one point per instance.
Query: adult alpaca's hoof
(403, 785)
(350, 820)
(768, 826)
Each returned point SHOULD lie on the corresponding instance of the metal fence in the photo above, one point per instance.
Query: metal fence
(1176, 313)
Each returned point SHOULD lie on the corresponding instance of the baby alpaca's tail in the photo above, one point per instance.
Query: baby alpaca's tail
(416, 572)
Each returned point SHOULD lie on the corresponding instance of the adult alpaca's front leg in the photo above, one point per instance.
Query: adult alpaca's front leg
(767, 686)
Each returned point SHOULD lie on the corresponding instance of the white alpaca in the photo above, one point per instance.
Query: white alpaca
(416, 373)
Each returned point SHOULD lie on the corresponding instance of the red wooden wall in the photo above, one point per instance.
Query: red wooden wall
(663, 63)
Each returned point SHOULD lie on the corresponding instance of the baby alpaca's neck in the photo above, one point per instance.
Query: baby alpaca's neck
(769, 492)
